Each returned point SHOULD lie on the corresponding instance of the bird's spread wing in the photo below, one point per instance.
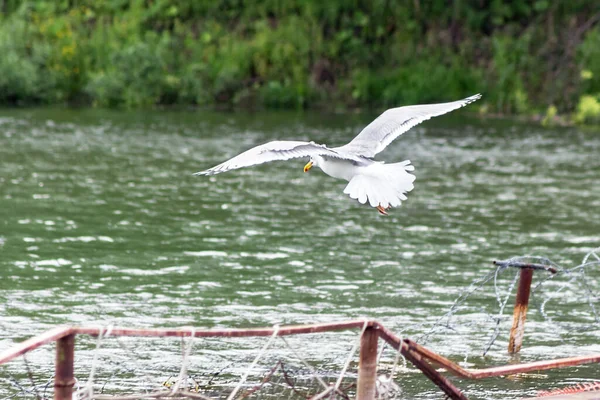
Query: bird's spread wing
(394, 122)
(277, 150)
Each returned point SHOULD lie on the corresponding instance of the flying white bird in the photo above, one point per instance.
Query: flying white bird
(382, 185)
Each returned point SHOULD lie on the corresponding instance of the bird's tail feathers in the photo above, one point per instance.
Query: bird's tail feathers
(383, 185)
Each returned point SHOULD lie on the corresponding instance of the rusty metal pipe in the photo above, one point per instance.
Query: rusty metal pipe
(517, 332)
(55, 334)
(186, 332)
(418, 359)
(64, 378)
(435, 358)
(434, 376)
(418, 354)
(518, 264)
(49, 336)
(534, 366)
(367, 365)
(457, 370)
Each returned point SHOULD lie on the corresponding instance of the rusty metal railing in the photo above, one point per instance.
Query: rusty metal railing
(421, 357)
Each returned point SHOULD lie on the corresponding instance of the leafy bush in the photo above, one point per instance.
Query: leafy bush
(510, 57)
(589, 59)
(588, 109)
(22, 66)
(299, 53)
(421, 81)
(135, 78)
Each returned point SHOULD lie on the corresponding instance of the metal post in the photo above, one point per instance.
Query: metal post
(520, 312)
(367, 367)
(64, 380)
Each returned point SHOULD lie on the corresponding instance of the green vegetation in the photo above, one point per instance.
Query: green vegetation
(525, 56)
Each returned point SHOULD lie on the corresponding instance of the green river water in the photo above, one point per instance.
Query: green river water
(103, 223)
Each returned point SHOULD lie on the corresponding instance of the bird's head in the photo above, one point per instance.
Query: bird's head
(313, 162)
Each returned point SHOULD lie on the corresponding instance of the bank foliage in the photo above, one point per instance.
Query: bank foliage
(525, 56)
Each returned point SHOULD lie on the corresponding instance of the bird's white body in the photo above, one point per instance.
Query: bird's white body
(382, 185)
(341, 169)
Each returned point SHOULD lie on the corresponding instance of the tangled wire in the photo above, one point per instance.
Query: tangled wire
(297, 378)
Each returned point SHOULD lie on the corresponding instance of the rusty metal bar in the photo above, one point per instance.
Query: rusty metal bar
(416, 358)
(497, 371)
(56, 333)
(418, 354)
(390, 337)
(440, 360)
(186, 332)
(517, 332)
(33, 343)
(367, 366)
(517, 264)
(534, 366)
(434, 376)
(64, 378)
(568, 396)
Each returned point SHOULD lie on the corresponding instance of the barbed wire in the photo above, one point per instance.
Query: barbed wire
(293, 376)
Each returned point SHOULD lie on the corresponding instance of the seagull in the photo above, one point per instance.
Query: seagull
(383, 185)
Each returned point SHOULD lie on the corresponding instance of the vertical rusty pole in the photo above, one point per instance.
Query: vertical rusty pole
(367, 367)
(64, 380)
(520, 312)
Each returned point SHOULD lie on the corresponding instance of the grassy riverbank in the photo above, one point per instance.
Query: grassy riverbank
(529, 57)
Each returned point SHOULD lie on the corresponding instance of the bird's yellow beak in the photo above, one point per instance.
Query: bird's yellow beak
(308, 166)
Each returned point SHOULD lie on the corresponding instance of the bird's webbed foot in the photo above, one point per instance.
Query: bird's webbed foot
(383, 210)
